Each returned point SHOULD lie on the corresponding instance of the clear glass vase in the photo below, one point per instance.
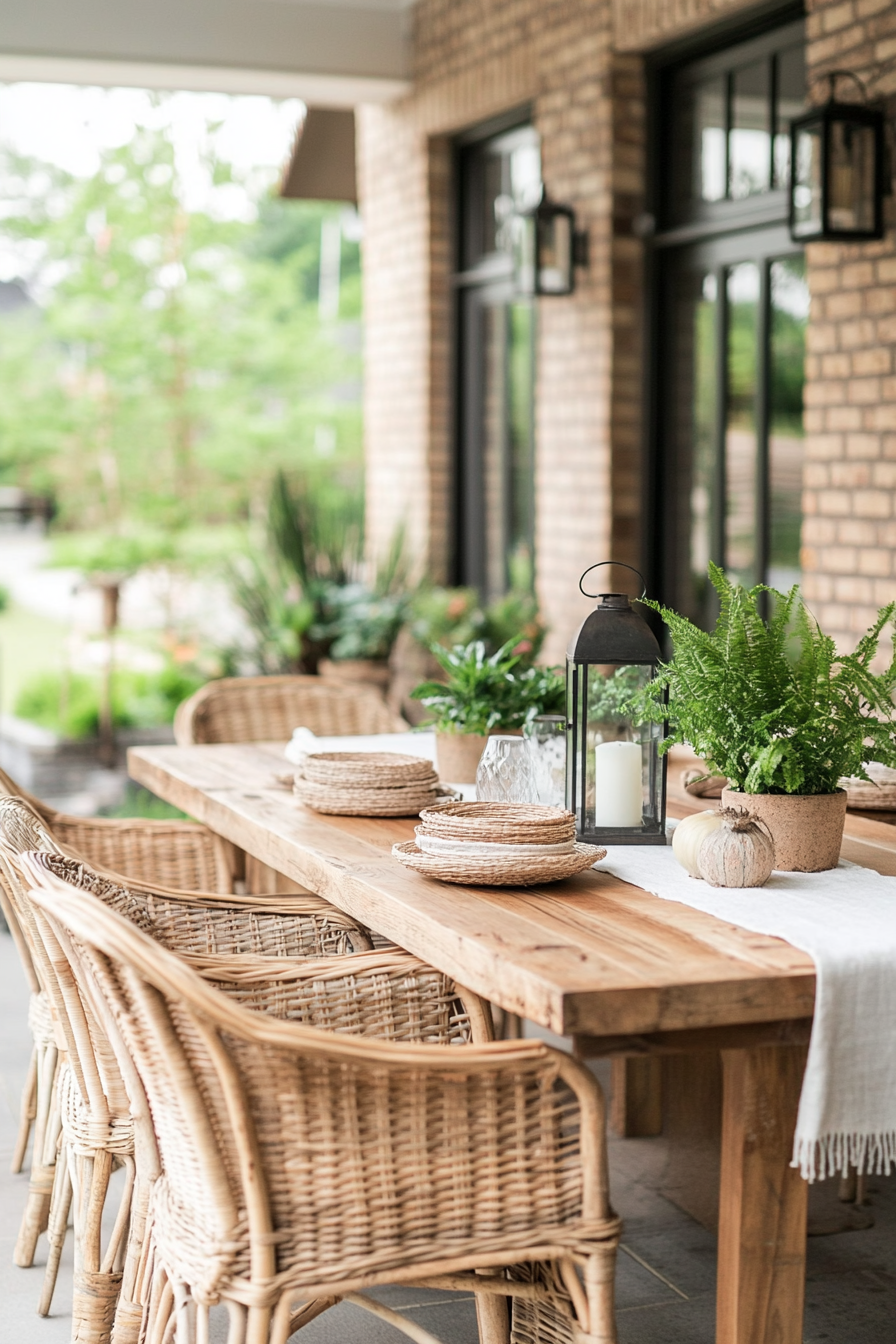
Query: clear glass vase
(545, 738)
(505, 772)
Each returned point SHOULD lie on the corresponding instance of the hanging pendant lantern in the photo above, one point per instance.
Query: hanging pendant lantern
(615, 776)
(837, 170)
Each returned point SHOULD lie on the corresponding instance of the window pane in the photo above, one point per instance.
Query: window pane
(692, 410)
(709, 140)
(740, 423)
(705, 317)
(789, 301)
(520, 372)
(791, 103)
(749, 143)
(494, 402)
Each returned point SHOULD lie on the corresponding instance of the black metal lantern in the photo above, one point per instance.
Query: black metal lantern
(615, 776)
(555, 234)
(837, 170)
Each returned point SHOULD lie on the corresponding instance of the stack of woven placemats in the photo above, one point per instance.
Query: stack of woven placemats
(878, 796)
(367, 783)
(497, 844)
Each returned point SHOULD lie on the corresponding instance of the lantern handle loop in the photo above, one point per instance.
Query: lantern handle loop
(833, 75)
(619, 565)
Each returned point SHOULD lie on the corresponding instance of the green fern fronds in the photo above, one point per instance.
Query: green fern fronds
(768, 702)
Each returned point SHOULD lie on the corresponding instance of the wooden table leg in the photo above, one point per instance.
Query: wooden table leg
(762, 1204)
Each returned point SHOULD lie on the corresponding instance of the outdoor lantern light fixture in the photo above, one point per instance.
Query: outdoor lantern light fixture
(557, 248)
(837, 170)
(615, 776)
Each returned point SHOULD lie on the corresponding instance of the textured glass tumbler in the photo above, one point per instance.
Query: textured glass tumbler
(505, 772)
(546, 743)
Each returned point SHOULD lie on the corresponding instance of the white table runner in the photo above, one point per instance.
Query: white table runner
(845, 920)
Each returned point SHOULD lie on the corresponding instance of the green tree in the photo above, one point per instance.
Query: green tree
(176, 359)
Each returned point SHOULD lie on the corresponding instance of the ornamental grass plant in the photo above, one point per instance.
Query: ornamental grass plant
(768, 701)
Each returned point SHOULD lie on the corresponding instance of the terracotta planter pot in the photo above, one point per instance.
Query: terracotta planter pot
(457, 756)
(807, 828)
(365, 670)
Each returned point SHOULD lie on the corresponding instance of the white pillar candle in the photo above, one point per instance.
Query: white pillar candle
(617, 784)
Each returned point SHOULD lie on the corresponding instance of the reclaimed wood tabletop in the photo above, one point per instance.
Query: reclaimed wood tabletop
(593, 958)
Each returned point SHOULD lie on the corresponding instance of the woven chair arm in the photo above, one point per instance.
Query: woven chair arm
(392, 994)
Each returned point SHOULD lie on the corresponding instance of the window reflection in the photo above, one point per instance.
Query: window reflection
(791, 72)
(709, 139)
(731, 133)
(704, 319)
(789, 305)
(749, 149)
(740, 423)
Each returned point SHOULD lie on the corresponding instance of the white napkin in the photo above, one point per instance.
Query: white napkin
(845, 920)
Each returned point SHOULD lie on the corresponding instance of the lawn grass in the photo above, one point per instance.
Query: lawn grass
(30, 643)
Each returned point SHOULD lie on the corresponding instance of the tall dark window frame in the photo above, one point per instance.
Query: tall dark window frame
(725, 237)
(494, 440)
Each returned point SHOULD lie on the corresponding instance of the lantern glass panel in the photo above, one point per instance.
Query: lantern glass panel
(614, 771)
(851, 177)
(807, 179)
(554, 252)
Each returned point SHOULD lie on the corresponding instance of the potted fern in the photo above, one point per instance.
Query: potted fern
(483, 694)
(769, 704)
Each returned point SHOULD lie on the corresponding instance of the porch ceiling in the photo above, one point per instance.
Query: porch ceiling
(333, 53)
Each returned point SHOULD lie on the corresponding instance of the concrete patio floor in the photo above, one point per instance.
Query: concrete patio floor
(666, 1273)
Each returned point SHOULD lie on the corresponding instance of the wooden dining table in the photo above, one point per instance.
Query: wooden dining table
(616, 970)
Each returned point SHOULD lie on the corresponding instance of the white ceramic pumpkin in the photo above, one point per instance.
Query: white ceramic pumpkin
(689, 835)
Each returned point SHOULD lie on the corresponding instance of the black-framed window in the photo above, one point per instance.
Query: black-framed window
(729, 322)
(498, 176)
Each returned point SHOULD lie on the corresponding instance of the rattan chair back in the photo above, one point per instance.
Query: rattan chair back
(180, 854)
(269, 709)
(301, 1164)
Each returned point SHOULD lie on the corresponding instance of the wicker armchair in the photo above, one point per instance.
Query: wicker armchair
(180, 854)
(299, 1166)
(269, 709)
(297, 971)
(86, 1095)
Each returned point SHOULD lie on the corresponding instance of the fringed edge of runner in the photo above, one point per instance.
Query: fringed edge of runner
(836, 1154)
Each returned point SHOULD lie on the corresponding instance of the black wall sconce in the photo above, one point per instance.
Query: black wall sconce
(837, 170)
(559, 248)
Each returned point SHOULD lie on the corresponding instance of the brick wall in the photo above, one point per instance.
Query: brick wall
(849, 532)
(473, 61)
(576, 63)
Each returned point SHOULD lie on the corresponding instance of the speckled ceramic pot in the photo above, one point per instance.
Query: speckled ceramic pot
(807, 828)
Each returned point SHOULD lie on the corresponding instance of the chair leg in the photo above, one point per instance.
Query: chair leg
(40, 1184)
(493, 1318)
(60, 1206)
(129, 1312)
(96, 1290)
(600, 1285)
(27, 1115)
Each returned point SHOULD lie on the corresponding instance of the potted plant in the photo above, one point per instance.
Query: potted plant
(483, 694)
(771, 705)
(365, 626)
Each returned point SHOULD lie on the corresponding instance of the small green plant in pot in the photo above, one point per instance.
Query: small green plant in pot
(481, 694)
(769, 704)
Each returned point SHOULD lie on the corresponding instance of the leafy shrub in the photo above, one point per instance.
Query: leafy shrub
(769, 703)
(483, 691)
(452, 616)
(70, 704)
